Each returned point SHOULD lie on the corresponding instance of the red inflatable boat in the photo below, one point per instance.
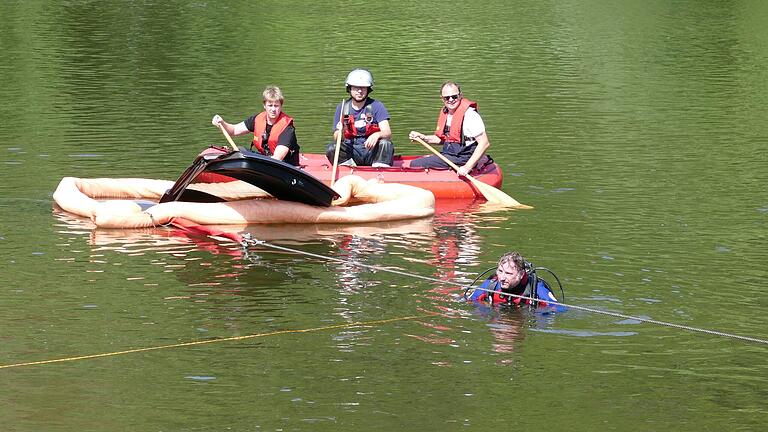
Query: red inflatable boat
(444, 184)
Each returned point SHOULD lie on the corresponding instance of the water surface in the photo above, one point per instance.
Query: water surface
(636, 130)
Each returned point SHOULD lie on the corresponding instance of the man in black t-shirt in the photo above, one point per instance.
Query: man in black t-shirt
(273, 132)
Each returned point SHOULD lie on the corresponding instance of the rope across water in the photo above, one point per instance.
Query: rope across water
(209, 341)
(248, 240)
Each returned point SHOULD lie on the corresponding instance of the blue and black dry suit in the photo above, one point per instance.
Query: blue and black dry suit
(490, 291)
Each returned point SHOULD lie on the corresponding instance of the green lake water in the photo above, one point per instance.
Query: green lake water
(637, 130)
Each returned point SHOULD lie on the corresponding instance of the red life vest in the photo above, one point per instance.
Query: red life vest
(496, 297)
(454, 134)
(350, 131)
(260, 128)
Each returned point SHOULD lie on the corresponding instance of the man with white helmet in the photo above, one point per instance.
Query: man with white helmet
(364, 123)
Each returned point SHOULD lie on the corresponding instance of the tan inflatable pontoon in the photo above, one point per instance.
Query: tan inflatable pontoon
(116, 203)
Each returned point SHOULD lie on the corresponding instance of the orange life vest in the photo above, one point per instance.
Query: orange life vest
(260, 129)
(454, 132)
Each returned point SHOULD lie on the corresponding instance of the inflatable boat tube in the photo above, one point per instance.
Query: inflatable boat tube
(360, 201)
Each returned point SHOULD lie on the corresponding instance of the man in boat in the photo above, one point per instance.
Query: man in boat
(273, 132)
(460, 130)
(364, 123)
(514, 276)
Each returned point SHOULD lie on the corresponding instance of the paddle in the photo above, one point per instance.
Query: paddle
(338, 144)
(490, 193)
(229, 139)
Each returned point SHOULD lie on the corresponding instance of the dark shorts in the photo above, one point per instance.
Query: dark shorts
(383, 152)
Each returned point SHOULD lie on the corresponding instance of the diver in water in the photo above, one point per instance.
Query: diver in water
(515, 283)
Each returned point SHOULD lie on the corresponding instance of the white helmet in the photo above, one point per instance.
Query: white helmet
(360, 78)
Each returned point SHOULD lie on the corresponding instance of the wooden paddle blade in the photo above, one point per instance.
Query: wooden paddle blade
(496, 196)
(490, 193)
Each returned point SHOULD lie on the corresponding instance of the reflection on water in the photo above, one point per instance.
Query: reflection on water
(502, 330)
(508, 332)
(447, 246)
(354, 244)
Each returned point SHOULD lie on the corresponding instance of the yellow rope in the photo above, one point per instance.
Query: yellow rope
(233, 338)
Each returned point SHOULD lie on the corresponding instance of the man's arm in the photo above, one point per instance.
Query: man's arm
(384, 133)
(429, 139)
(482, 146)
(481, 293)
(281, 152)
(232, 130)
(286, 142)
(544, 294)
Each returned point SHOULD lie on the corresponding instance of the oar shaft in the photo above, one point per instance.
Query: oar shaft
(440, 155)
(338, 144)
(229, 138)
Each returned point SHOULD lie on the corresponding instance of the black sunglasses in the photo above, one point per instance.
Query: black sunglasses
(451, 97)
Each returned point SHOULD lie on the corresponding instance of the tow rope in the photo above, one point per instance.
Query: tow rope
(210, 341)
(248, 240)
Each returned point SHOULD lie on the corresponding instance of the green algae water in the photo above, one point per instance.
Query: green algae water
(636, 129)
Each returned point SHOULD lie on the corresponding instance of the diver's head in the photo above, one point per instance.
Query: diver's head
(510, 269)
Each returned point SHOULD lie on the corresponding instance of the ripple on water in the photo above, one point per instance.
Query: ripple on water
(202, 378)
(584, 333)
